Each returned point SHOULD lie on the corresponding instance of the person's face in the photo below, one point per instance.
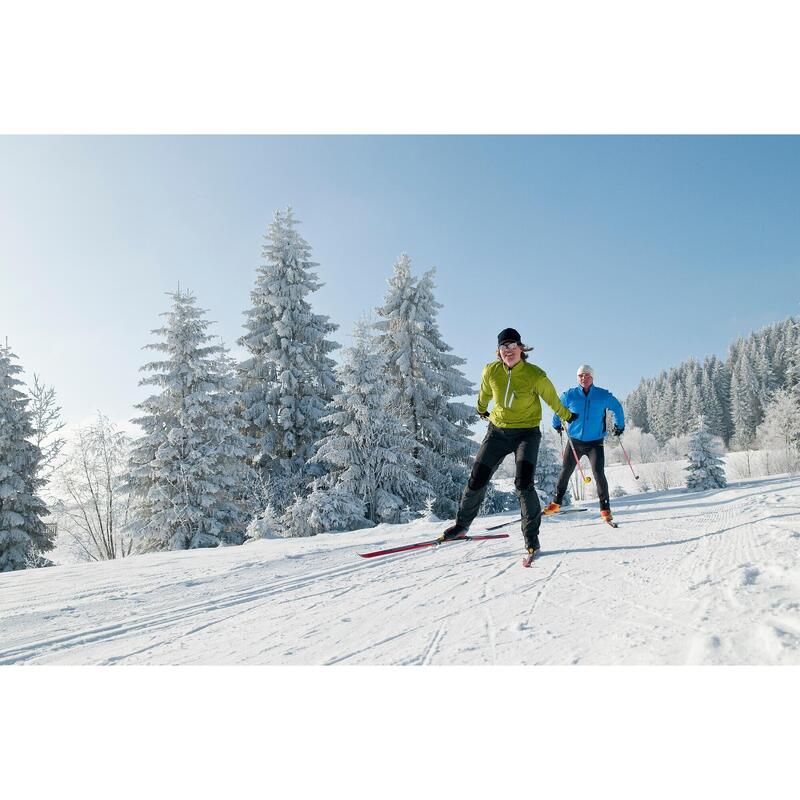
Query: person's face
(510, 353)
(585, 380)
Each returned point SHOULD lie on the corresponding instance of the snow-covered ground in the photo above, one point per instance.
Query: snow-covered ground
(687, 578)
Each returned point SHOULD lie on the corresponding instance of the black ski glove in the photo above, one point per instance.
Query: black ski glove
(483, 414)
(572, 416)
(559, 429)
(617, 431)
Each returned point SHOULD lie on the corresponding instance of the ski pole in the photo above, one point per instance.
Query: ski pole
(627, 457)
(586, 478)
(561, 441)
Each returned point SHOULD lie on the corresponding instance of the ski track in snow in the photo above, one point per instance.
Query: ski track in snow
(688, 578)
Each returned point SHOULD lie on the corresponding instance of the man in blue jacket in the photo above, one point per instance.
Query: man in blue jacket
(587, 432)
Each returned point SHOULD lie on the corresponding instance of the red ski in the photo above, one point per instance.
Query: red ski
(433, 543)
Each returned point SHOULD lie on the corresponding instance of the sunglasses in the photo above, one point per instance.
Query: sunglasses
(509, 346)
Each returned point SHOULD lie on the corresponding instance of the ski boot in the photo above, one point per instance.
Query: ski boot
(528, 559)
(605, 515)
(533, 549)
(553, 508)
(455, 531)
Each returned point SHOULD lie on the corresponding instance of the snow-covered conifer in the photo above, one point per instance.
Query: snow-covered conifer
(23, 535)
(289, 377)
(423, 379)
(721, 381)
(636, 407)
(765, 374)
(695, 406)
(267, 524)
(325, 509)
(732, 392)
(548, 468)
(705, 470)
(681, 411)
(745, 406)
(710, 406)
(368, 450)
(187, 468)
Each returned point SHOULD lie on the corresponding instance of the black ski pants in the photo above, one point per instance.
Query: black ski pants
(597, 459)
(496, 445)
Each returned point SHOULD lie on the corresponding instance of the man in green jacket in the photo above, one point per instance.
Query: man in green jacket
(515, 386)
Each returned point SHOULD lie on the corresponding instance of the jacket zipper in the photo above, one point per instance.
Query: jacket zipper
(585, 412)
(508, 386)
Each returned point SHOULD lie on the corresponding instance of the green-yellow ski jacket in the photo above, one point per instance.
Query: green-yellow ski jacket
(516, 394)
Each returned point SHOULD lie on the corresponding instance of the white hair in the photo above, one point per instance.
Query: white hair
(585, 369)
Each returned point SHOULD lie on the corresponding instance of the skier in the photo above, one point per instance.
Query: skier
(587, 435)
(515, 386)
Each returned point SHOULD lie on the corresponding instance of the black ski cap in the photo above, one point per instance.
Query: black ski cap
(508, 335)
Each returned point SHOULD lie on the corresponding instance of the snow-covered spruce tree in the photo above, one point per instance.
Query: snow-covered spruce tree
(324, 509)
(705, 470)
(368, 450)
(695, 403)
(636, 407)
(711, 405)
(288, 378)
(423, 378)
(186, 470)
(681, 414)
(721, 382)
(266, 524)
(23, 535)
(746, 412)
(548, 468)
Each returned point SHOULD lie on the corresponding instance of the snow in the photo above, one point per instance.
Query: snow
(688, 578)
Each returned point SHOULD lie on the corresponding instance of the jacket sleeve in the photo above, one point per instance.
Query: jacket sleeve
(548, 393)
(485, 392)
(616, 408)
(556, 419)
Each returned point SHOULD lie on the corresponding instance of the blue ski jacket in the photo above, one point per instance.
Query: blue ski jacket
(591, 409)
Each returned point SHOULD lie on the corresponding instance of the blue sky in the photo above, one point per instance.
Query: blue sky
(630, 253)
